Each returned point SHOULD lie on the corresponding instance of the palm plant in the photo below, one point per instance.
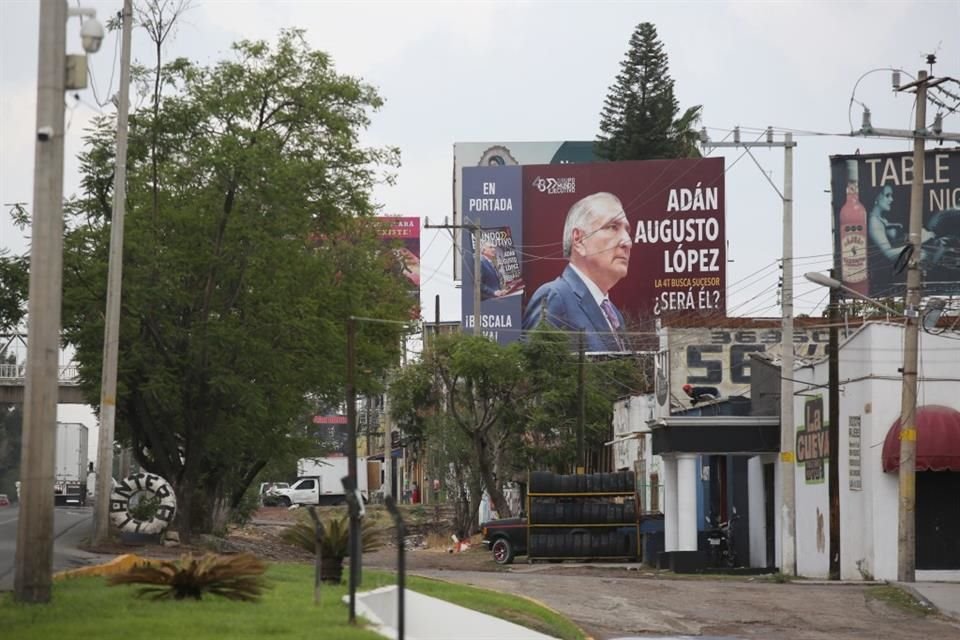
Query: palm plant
(335, 543)
(235, 577)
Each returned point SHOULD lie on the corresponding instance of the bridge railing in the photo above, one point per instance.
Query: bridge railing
(67, 373)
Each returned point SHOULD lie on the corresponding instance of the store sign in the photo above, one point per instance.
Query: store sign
(813, 442)
(854, 462)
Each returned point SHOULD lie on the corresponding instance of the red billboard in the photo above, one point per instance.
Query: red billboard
(674, 214)
(600, 248)
(403, 235)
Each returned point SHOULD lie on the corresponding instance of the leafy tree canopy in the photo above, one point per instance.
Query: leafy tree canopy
(485, 413)
(248, 242)
(639, 120)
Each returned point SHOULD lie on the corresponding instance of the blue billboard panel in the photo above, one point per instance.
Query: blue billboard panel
(493, 199)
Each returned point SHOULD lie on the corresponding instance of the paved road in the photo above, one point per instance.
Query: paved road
(71, 526)
(608, 604)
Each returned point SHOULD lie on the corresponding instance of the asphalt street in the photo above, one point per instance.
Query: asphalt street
(71, 526)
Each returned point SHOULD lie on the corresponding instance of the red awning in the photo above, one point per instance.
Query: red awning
(938, 440)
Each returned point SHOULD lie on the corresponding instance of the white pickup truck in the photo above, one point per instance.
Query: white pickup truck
(319, 482)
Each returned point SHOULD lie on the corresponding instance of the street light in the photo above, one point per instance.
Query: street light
(831, 283)
(56, 72)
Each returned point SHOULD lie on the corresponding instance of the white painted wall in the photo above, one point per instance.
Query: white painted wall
(631, 416)
(758, 516)
(870, 388)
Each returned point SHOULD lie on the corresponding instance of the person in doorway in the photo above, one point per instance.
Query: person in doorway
(597, 242)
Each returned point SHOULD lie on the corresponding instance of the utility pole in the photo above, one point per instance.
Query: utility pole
(833, 479)
(906, 514)
(387, 447)
(476, 230)
(788, 525)
(354, 541)
(34, 555)
(111, 329)
(906, 511)
(581, 464)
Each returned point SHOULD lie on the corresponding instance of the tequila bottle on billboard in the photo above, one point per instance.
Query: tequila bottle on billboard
(853, 235)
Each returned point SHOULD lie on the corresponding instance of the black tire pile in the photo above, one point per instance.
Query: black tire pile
(578, 501)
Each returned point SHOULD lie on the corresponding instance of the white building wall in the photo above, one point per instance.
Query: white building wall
(630, 417)
(870, 388)
(758, 515)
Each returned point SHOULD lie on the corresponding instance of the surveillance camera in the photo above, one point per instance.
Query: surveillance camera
(91, 35)
(44, 133)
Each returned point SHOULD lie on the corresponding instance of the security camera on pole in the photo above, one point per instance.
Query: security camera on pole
(56, 73)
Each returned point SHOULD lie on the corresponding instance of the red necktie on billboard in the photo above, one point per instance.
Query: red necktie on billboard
(611, 314)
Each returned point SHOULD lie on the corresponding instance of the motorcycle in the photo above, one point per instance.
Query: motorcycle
(721, 551)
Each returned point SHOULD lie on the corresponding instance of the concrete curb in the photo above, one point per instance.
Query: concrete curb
(586, 635)
(919, 597)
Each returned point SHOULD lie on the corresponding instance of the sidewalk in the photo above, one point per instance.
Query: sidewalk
(945, 596)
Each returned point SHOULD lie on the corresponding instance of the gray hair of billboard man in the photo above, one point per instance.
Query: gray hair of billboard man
(601, 249)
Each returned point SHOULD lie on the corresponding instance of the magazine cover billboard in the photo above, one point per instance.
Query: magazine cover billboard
(871, 208)
(506, 154)
(599, 246)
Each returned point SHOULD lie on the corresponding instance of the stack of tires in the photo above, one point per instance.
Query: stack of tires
(617, 482)
(583, 516)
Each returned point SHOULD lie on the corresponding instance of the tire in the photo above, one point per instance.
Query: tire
(541, 482)
(284, 501)
(502, 550)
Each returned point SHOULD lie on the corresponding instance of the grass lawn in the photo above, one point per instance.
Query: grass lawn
(88, 608)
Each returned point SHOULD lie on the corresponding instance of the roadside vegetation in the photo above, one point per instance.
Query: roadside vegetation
(897, 598)
(87, 607)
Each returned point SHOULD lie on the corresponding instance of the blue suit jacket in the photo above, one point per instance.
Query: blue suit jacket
(566, 303)
(489, 279)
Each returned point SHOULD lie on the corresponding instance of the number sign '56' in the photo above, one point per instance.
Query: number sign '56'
(721, 357)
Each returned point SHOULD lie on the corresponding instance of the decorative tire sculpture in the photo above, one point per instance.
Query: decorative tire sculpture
(153, 486)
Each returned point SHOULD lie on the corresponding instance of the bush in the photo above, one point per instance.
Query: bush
(237, 577)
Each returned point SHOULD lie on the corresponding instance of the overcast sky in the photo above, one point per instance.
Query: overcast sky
(503, 71)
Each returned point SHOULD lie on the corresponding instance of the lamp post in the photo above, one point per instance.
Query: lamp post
(56, 72)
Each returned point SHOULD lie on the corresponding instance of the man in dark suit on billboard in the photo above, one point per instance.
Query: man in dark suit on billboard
(490, 284)
(597, 242)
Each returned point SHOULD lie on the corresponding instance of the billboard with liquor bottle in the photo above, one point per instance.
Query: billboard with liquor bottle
(871, 207)
(598, 247)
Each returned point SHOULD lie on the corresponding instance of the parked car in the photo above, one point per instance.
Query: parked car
(505, 538)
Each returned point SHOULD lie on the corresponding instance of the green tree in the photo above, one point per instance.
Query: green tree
(639, 120)
(471, 382)
(248, 242)
(487, 413)
(11, 432)
(14, 281)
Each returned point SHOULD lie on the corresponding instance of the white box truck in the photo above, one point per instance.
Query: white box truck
(319, 481)
(70, 472)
